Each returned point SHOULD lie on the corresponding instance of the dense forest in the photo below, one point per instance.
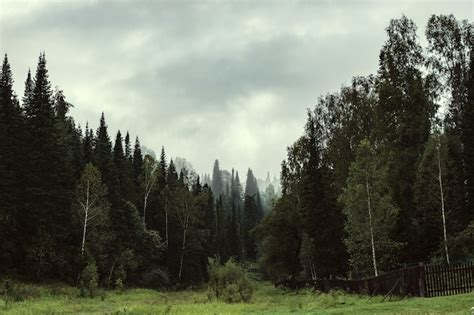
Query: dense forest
(383, 176)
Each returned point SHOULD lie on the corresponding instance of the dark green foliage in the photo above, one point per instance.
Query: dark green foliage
(404, 112)
(279, 237)
(449, 45)
(467, 136)
(89, 280)
(11, 142)
(217, 182)
(48, 174)
(370, 215)
(103, 154)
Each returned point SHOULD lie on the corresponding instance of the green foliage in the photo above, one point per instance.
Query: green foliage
(280, 241)
(89, 280)
(15, 292)
(369, 208)
(228, 282)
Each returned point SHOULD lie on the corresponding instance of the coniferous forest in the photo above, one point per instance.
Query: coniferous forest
(382, 177)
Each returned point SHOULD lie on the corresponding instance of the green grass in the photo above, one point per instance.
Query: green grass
(56, 299)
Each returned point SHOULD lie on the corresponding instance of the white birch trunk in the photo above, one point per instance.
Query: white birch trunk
(166, 227)
(183, 248)
(374, 260)
(440, 180)
(86, 217)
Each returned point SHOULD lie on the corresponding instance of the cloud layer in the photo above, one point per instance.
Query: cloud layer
(206, 79)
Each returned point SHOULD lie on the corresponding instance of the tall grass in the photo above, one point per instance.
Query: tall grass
(60, 299)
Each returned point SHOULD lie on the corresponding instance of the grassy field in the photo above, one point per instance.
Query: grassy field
(55, 299)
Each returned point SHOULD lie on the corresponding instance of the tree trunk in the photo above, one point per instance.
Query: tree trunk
(374, 260)
(86, 217)
(182, 249)
(84, 236)
(166, 227)
(145, 200)
(440, 179)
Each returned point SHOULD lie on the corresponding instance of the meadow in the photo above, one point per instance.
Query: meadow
(61, 299)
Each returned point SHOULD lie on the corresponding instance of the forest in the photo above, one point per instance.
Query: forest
(382, 177)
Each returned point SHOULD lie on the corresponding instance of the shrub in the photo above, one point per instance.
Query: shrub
(89, 284)
(155, 278)
(228, 282)
(13, 293)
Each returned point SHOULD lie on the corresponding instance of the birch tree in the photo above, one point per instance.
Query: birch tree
(187, 210)
(433, 185)
(185, 213)
(370, 214)
(92, 205)
(150, 174)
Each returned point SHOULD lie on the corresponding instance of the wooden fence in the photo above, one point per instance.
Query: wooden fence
(421, 280)
(448, 279)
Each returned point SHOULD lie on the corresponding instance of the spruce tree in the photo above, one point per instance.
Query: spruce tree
(138, 169)
(217, 184)
(103, 154)
(163, 174)
(46, 218)
(11, 139)
(88, 145)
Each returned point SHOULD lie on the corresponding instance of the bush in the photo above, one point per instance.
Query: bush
(13, 293)
(228, 282)
(89, 283)
(155, 278)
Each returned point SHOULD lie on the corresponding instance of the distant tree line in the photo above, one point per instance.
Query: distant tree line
(75, 207)
(379, 178)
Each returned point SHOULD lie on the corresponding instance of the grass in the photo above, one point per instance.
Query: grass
(57, 299)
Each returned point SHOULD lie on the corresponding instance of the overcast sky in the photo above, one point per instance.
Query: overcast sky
(206, 79)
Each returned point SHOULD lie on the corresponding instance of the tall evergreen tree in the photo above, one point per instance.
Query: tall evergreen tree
(11, 138)
(138, 169)
(217, 184)
(103, 154)
(88, 145)
(46, 219)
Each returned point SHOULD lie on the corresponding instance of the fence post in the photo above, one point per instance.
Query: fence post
(421, 279)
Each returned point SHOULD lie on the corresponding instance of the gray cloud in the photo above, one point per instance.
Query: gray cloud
(207, 79)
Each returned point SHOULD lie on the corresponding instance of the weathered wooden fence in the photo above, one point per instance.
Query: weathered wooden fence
(449, 279)
(421, 280)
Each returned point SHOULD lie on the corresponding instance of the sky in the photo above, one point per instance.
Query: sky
(205, 79)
